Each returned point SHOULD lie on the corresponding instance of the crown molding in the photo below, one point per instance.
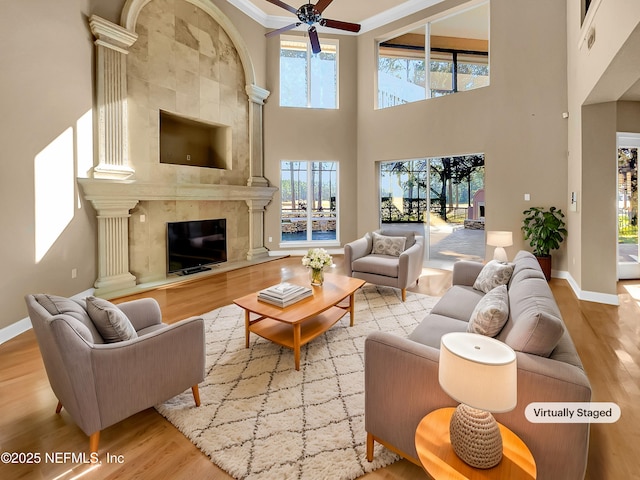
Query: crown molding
(388, 16)
(396, 13)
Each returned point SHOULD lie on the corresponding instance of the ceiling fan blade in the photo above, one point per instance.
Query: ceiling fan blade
(284, 5)
(282, 30)
(322, 4)
(315, 42)
(350, 27)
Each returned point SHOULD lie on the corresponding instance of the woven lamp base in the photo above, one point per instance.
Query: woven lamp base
(475, 437)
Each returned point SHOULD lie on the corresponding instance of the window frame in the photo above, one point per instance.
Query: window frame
(309, 242)
(424, 53)
(309, 54)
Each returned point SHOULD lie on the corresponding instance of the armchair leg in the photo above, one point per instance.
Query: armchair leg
(370, 443)
(196, 395)
(94, 439)
(59, 407)
(404, 294)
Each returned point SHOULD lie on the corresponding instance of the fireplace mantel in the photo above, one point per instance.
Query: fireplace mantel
(105, 190)
(127, 174)
(113, 201)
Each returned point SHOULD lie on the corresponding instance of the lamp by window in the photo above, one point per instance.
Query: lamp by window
(481, 373)
(499, 240)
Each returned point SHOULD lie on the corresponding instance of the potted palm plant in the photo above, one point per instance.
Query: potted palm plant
(544, 229)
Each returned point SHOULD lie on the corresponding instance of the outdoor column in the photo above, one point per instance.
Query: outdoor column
(112, 42)
(256, 229)
(257, 96)
(113, 244)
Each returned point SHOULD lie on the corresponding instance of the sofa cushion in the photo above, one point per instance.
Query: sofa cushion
(492, 275)
(535, 324)
(386, 245)
(431, 329)
(56, 305)
(490, 313)
(458, 302)
(111, 322)
(385, 265)
(397, 232)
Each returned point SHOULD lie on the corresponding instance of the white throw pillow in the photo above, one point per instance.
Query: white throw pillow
(384, 245)
(111, 322)
(493, 274)
(491, 313)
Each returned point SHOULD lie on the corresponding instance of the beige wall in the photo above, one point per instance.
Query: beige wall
(516, 121)
(318, 135)
(597, 77)
(46, 88)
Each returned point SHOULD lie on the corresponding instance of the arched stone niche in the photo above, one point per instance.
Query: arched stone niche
(184, 57)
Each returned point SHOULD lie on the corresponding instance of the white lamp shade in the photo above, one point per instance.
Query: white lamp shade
(478, 371)
(499, 239)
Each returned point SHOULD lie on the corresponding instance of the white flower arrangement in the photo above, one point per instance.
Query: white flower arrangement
(317, 259)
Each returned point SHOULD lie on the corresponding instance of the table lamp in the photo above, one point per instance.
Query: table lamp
(499, 239)
(481, 373)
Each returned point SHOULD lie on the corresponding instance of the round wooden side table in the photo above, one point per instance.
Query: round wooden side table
(440, 461)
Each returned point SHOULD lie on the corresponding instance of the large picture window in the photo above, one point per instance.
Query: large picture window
(309, 202)
(455, 48)
(308, 80)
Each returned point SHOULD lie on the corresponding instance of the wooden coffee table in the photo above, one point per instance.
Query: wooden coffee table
(298, 324)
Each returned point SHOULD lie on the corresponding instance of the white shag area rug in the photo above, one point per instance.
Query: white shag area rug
(262, 419)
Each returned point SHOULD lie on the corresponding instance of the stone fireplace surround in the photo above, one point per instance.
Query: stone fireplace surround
(128, 179)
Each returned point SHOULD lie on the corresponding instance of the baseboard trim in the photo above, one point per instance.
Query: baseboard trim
(21, 326)
(15, 329)
(596, 297)
(303, 251)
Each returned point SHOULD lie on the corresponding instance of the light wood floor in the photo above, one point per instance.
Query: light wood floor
(607, 339)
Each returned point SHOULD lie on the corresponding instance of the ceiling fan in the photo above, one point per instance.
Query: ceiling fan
(312, 14)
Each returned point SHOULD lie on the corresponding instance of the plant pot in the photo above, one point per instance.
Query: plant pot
(545, 264)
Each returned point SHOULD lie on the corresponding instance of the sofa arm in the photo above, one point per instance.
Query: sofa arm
(143, 312)
(147, 370)
(465, 272)
(354, 250)
(560, 449)
(401, 387)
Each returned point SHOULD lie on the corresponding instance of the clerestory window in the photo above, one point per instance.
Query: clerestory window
(455, 48)
(308, 80)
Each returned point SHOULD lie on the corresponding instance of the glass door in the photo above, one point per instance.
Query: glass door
(628, 250)
(440, 198)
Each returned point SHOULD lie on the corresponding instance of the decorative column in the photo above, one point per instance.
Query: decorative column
(257, 96)
(113, 244)
(256, 228)
(112, 43)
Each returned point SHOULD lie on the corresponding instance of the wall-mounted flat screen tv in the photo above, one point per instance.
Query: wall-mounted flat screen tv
(193, 245)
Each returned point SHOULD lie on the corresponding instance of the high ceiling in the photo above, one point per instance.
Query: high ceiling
(346, 10)
(369, 13)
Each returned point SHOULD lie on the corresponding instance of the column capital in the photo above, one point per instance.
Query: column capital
(257, 94)
(113, 207)
(111, 35)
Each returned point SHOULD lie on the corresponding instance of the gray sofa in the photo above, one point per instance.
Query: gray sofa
(401, 374)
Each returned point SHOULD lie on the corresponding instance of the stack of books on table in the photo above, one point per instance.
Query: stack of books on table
(284, 294)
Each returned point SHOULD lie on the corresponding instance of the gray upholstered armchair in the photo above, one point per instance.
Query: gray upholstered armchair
(100, 384)
(400, 271)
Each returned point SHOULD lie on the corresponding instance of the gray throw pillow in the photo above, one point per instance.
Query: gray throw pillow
(491, 313)
(492, 275)
(383, 245)
(398, 232)
(111, 322)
